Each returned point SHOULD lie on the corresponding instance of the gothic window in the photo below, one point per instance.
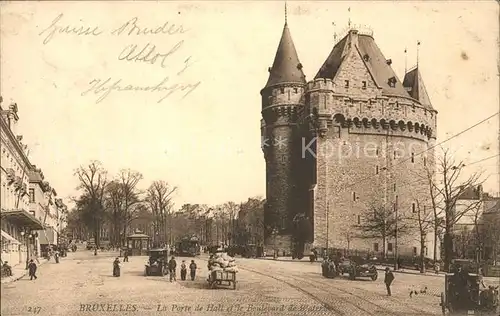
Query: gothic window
(389, 246)
(347, 83)
(364, 85)
(413, 208)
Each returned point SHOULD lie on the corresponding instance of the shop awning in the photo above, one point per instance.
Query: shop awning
(21, 218)
(8, 237)
(47, 236)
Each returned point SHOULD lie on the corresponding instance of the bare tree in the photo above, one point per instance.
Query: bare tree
(113, 205)
(423, 220)
(93, 181)
(381, 222)
(131, 202)
(450, 187)
(159, 199)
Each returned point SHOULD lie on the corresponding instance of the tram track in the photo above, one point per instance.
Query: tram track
(330, 290)
(371, 310)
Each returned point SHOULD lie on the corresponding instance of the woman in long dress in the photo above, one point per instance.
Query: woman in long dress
(116, 267)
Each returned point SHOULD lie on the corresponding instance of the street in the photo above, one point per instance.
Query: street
(82, 284)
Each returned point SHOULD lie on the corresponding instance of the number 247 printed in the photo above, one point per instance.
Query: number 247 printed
(34, 309)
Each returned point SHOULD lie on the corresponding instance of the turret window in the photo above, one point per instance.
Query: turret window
(295, 90)
(412, 157)
(347, 84)
(413, 208)
(282, 90)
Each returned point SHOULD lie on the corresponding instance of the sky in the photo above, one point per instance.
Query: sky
(213, 57)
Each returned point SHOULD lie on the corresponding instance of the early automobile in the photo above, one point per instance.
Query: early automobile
(466, 294)
(358, 268)
(157, 262)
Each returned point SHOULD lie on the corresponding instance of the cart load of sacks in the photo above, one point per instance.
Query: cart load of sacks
(222, 262)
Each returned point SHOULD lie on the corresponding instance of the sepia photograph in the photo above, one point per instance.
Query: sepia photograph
(250, 158)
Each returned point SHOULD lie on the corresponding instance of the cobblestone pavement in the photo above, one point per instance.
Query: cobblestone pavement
(359, 297)
(81, 284)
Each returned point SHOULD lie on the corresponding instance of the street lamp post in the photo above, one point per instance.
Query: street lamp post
(396, 254)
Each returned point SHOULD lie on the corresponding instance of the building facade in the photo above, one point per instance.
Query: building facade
(18, 225)
(346, 142)
(28, 211)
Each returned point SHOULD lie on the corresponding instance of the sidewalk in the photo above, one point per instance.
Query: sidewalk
(19, 271)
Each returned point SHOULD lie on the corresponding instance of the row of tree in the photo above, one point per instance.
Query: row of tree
(438, 215)
(116, 206)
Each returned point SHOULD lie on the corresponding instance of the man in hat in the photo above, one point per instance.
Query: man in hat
(32, 269)
(389, 277)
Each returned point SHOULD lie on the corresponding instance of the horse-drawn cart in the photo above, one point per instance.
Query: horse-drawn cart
(225, 278)
(463, 296)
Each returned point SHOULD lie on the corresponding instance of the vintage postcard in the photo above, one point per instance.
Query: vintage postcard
(250, 158)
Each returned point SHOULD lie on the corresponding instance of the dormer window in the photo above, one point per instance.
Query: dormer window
(392, 82)
(366, 57)
(389, 62)
(363, 85)
(347, 84)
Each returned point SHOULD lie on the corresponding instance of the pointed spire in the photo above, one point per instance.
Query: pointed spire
(406, 60)
(418, 45)
(286, 20)
(286, 66)
(415, 86)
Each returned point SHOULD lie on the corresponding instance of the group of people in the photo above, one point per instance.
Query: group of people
(172, 268)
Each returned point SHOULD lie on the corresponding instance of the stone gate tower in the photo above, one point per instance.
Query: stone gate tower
(353, 139)
(282, 100)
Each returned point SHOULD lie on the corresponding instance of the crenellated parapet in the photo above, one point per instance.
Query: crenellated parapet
(282, 103)
(400, 116)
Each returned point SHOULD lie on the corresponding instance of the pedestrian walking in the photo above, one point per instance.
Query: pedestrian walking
(389, 277)
(172, 266)
(125, 255)
(116, 267)
(192, 269)
(32, 269)
(56, 256)
(95, 251)
(183, 270)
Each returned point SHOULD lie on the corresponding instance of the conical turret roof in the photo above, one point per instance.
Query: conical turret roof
(416, 89)
(286, 66)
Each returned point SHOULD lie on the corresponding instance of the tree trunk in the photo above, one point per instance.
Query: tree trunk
(435, 242)
(448, 250)
(422, 255)
(384, 239)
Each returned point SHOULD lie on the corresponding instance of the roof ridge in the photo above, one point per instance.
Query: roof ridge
(367, 68)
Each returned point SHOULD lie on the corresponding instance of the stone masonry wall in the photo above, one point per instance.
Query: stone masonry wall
(365, 156)
(280, 105)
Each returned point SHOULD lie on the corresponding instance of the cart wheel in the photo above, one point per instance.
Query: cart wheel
(443, 305)
(374, 277)
(234, 285)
